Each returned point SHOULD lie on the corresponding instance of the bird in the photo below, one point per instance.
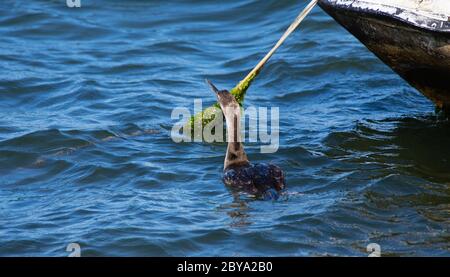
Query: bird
(262, 180)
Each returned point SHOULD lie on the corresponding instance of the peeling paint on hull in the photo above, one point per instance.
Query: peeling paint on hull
(414, 43)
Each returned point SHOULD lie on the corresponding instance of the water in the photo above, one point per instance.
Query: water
(86, 155)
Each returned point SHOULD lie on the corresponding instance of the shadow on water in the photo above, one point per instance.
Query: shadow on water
(404, 163)
(415, 145)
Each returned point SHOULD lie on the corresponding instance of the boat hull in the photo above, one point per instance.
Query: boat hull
(419, 53)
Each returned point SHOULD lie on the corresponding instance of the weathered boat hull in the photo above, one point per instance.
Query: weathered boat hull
(414, 45)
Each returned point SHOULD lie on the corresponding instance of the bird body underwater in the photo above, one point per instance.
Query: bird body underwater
(264, 181)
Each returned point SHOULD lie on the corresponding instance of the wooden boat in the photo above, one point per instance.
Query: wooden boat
(410, 36)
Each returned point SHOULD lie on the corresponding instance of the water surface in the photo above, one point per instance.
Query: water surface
(86, 155)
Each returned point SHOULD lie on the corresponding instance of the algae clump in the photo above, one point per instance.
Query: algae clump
(208, 115)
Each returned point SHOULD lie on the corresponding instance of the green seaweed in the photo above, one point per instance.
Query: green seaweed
(241, 88)
(201, 119)
(208, 115)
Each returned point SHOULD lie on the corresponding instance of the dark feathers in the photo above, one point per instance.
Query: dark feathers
(255, 179)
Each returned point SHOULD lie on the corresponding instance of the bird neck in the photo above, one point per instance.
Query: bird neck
(235, 155)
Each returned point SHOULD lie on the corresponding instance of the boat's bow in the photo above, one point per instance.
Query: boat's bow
(411, 36)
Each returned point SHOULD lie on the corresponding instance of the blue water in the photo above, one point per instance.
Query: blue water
(86, 156)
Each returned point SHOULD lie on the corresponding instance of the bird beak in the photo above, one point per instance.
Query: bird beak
(212, 86)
